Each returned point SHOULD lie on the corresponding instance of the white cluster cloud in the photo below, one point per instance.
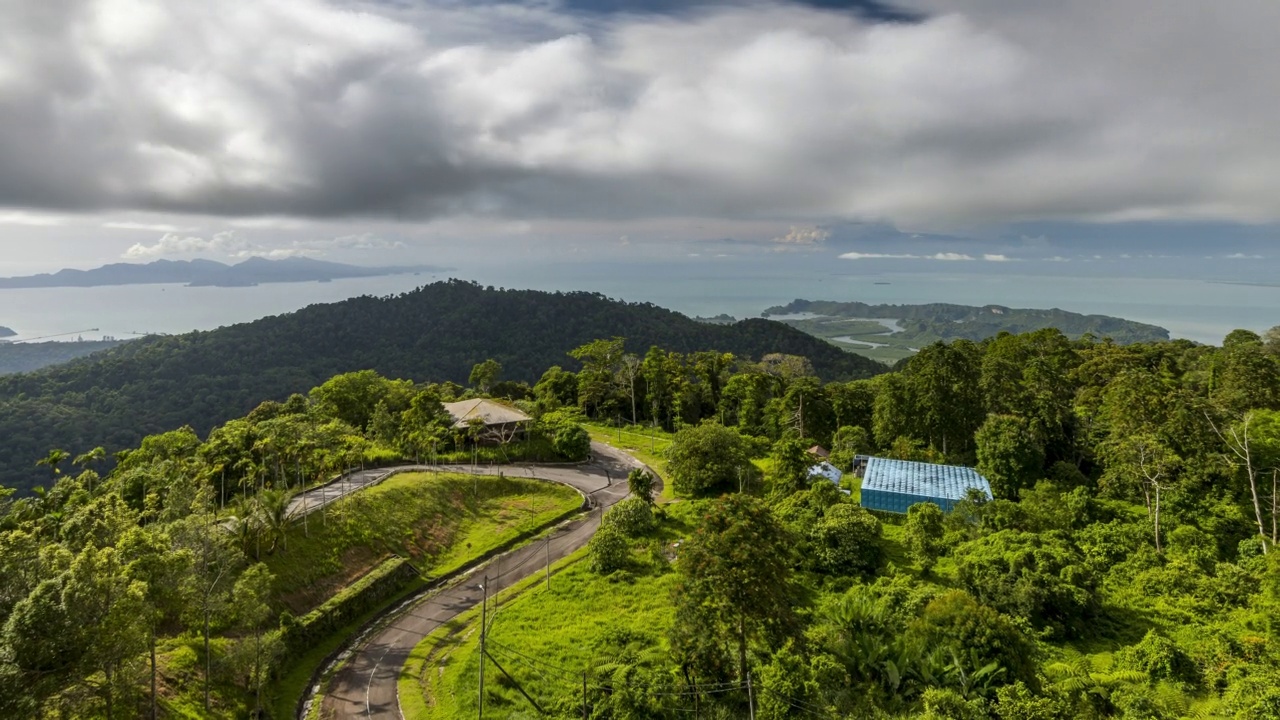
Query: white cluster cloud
(947, 256)
(230, 245)
(987, 111)
(804, 236)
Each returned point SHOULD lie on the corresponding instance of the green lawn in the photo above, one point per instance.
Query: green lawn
(593, 617)
(646, 444)
(438, 520)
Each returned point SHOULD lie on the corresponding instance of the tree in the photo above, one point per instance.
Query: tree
(734, 579)
(485, 374)
(1141, 460)
(153, 561)
(556, 388)
(641, 483)
(706, 459)
(251, 609)
(109, 612)
(791, 463)
(1253, 448)
(848, 442)
(53, 460)
(598, 380)
(1008, 455)
(847, 541)
(961, 626)
(923, 534)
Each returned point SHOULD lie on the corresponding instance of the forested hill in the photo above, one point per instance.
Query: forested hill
(942, 321)
(435, 333)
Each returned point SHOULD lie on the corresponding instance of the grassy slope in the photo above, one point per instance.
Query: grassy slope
(587, 608)
(438, 520)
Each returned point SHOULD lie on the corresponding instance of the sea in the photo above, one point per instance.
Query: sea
(1200, 310)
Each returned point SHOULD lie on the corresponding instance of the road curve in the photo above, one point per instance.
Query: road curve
(365, 687)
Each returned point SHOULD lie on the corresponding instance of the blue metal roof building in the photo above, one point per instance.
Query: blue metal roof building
(895, 485)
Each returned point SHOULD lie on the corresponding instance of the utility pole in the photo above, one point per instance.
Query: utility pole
(484, 606)
(751, 703)
(548, 562)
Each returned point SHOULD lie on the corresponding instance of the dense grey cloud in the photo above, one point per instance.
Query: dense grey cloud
(985, 112)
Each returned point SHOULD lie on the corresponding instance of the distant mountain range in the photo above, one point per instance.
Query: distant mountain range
(208, 273)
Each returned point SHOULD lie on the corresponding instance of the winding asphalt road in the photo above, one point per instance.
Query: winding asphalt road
(365, 687)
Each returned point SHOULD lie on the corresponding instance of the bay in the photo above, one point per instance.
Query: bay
(1195, 309)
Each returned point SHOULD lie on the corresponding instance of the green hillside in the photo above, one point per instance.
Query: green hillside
(435, 333)
(28, 357)
(892, 332)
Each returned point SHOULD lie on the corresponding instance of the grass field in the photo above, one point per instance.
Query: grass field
(438, 520)
(584, 621)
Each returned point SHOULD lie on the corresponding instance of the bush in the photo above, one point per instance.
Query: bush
(608, 550)
(300, 634)
(1161, 659)
(847, 541)
(632, 517)
(571, 441)
(1039, 576)
(923, 534)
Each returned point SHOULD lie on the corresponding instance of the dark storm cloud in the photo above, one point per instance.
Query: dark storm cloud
(973, 113)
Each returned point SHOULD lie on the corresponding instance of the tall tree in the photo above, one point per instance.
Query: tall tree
(1009, 456)
(485, 374)
(1144, 461)
(598, 380)
(734, 578)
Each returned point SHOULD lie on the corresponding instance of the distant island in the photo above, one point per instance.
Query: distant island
(208, 273)
(6, 332)
(892, 332)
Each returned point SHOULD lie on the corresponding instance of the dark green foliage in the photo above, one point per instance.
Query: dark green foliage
(641, 483)
(923, 534)
(735, 586)
(299, 634)
(29, 357)
(1041, 577)
(708, 459)
(436, 333)
(609, 549)
(1008, 455)
(633, 517)
(847, 541)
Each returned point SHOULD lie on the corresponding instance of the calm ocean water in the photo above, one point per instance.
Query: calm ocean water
(1194, 309)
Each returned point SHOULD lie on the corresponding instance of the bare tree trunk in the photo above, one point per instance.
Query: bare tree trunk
(1157, 516)
(154, 713)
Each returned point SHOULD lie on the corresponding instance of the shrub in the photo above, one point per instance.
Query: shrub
(924, 534)
(632, 517)
(847, 541)
(608, 550)
(1160, 658)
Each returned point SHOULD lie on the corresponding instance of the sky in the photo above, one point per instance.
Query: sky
(1000, 134)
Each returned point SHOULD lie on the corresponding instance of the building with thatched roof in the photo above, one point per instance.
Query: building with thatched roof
(496, 422)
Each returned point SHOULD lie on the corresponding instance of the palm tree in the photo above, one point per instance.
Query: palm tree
(52, 460)
(273, 506)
